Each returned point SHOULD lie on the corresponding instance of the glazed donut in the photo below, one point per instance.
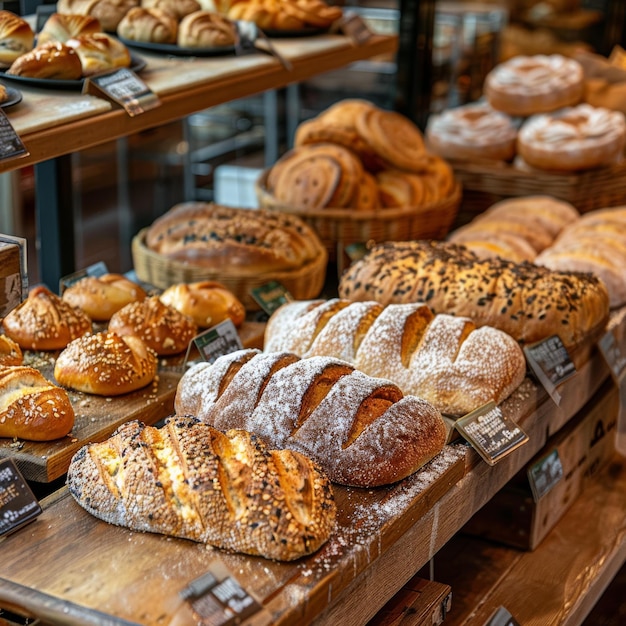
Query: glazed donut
(527, 85)
(575, 138)
(472, 131)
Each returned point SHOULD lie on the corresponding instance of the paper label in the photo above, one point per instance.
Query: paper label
(97, 269)
(270, 296)
(218, 340)
(11, 145)
(501, 617)
(545, 474)
(18, 505)
(127, 89)
(354, 26)
(612, 353)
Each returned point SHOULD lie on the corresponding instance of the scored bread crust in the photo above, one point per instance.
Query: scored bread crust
(443, 359)
(362, 430)
(31, 407)
(106, 364)
(191, 481)
(528, 302)
(61, 27)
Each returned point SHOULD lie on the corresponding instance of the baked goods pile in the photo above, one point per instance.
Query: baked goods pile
(361, 430)
(356, 155)
(189, 480)
(528, 302)
(443, 359)
(534, 116)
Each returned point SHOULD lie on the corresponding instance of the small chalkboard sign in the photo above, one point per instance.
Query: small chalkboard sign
(218, 599)
(551, 364)
(492, 434)
(270, 296)
(545, 474)
(18, 505)
(97, 269)
(11, 145)
(217, 341)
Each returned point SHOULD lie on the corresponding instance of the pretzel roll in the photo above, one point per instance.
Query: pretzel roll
(16, 37)
(45, 322)
(148, 25)
(207, 303)
(62, 26)
(106, 364)
(10, 351)
(205, 29)
(164, 329)
(100, 52)
(101, 296)
(53, 60)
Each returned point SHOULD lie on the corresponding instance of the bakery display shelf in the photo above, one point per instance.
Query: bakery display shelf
(384, 536)
(98, 416)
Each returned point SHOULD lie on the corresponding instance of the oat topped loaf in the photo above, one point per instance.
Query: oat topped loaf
(528, 302)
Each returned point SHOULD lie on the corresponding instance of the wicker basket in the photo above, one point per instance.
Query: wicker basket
(338, 228)
(156, 269)
(485, 184)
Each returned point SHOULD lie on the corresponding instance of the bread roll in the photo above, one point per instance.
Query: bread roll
(10, 352)
(207, 303)
(178, 8)
(45, 322)
(108, 12)
(31, 407)
(99, 52)
(443, 359)
(191, 481)
(205, 29)
(61, 27)
(361, 430)
(101, 296)
(529, 303)
(161, 327)
(148, 25)
(52, 60)
(16, 37)
(106, 364)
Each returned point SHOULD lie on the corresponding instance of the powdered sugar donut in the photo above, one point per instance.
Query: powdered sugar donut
(575, 138)
(526, 85)
(472, 131)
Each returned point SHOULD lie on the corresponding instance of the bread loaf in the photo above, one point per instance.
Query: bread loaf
(191, 481)
(45, 322)
(148, 25)
(205, 29)
(108, 12)
(31, 407)
(178, 8)
(16, 37)
(361, 430)
(106, 364)
(52, 60)
(61, 27)
(528, 302)
(443, 359)
(101, 296)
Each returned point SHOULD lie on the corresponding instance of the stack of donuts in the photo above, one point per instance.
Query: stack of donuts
(533, 115)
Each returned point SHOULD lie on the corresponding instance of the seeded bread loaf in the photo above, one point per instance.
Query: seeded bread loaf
(191, 481)
(528, 302)
(361, 430)
(442, 358)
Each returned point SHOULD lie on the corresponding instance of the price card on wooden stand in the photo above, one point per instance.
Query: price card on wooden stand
(551, 364)
(18, 505)
(126, 88)
(615, 359)
(491, 433)
(11, 146)
(217, 341)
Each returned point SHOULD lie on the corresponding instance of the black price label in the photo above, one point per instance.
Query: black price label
(270, 296)
(551, 364)
(613, 356)
(501, 617)
(127, 89)
(491, 434)
(219, 600)
(545, 474)
(11, 145)
(218, 340)
(18, 505)
(97, 269)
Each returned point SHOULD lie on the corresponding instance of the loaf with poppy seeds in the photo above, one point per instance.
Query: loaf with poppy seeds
(528, 302)
(361, 430)
(442, 358)
(191, 481)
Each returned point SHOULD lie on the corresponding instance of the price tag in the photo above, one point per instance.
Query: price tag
(15, 283)
(353, 25)
(97, 269)
(491, 434)
(11, 145)
(613, 356)
(545, 474)
(217, 341)
(501, 617)
(18, 505)
(270, 296)
(126, 88)
(551, 364)
(219, 600)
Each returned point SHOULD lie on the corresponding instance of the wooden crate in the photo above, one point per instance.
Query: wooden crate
(584, 446)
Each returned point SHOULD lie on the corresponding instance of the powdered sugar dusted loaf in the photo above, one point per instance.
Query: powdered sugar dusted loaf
(361, 430)
(444, 359)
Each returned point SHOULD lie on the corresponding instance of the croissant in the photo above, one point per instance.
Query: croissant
(361, 430)
(442, 358)
(191, 481)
